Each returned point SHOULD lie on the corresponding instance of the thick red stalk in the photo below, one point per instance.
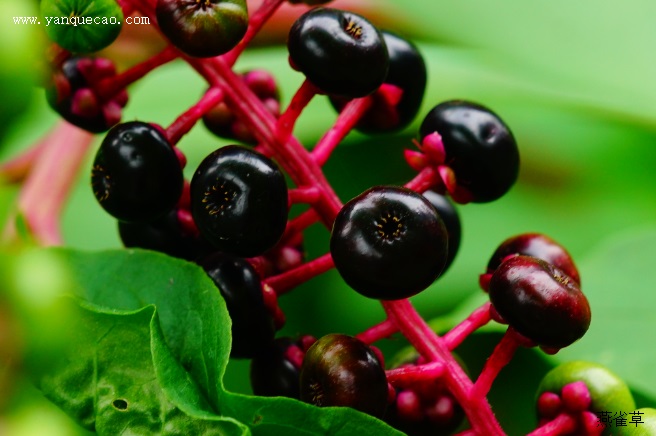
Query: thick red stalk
(563, 424)
(300, 100)
(283, 283)
(459, 333)
(183, 124)
(380, 331)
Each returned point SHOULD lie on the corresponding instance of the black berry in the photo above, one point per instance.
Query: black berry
(136, 175)
(252, 324)
(536, 245)
(389, 243)
(480, 148)
(540, 301)
(339, 52)
(272, 373)
(407, 71)
(340, 370)
(449, 215)
(203, 28)
(239, 201)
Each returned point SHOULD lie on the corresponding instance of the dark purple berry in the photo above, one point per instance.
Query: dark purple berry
(272, 373)
(340, 370)
(479, 147)
(540, 301)
(407, 71)
(536, 245)
(203, 28)
(239, 201)
(240, 286)
(339, 52)
(165, 235)
(389, 243)
(449, 215)
(136, 175)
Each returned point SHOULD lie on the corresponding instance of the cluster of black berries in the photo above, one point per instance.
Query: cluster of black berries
(388, 243)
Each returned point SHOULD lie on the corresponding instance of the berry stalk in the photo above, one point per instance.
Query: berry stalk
(283, 283)
(380, 331)
(473, 322)
(300, 100)
(183, 124)
(563, 424)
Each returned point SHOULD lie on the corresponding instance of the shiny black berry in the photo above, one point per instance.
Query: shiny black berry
(339, 52)
(239, 201)
(165, 235)
(340, 370)
(240, 286)
(540, 301)
(480, 148)
(203, 28)
(536, 245)
(136, 175)
(449, 215)
(407, 71)
(389, 243)
(273, 373)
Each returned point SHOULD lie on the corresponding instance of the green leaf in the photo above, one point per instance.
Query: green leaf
(111, 377)
(186, 356)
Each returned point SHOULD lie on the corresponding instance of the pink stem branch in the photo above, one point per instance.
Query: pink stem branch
(425, 180)
(380, 331)
(406, 377)
(108, 88)
(346, 121)
(54, 173)
(288, 280)
(255, 23)
(304, 195)
(301, 99)
(18, 168)
(184, 123)
(501, 356)
(459, 333)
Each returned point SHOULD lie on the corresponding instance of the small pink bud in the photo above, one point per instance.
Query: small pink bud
(408, 406)
(85, 104)
(433, 147)
(549, 405)
(576, 396)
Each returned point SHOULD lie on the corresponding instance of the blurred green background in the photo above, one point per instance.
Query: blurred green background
(573, 80)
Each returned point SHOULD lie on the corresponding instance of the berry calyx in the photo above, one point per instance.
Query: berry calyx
(389, 243)
(136, 175)
(607, 392)
(340, 370)
(252, 324)
(540, 301)
(339, 52)
(407, 72)
(239, 201)
(480, 148)
(203, 28)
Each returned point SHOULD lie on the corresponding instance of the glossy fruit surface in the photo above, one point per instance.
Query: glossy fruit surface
(203, 28)
(240, 286)
(536, 245)
(641, 422)
(389, 243)
(272, 373)
(540, 301)
(451, 219)
(479, 147)
(239, 201)
(340, 370)
(136, 175)
(164, 235)
(339, 52)
(407, 71)
(609, 392)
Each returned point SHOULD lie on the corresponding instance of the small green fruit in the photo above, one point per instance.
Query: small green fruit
(645, 428)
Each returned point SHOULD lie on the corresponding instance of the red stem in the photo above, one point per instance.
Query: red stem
(346, 121)
(459, 333)
(183, 124)
(563, 424)
(287, 120)
(283, 283)
(304, 195)
(108, 88)
(426, 179)
(431, 346)
(501, 356)
(255, 23)
(406, 377)
(380, 331)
